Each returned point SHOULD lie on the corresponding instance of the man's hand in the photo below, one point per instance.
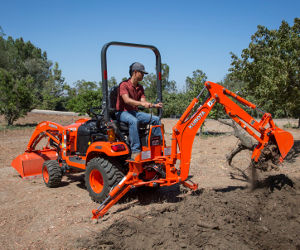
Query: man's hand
(146, 104)
(151, 105)
(158, 105)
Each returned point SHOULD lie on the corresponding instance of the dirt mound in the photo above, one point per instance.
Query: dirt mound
(233, 217)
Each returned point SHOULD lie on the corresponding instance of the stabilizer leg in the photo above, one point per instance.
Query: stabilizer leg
(116, 194)
(109, 202)
(193, 186)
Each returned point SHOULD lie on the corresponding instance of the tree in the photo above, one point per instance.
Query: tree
(233, 85)
(82, 86)
(150, 85)
(174, 104)
(16, 98)
(269, 67)
(82, 102)
(23, 70)
(86, 94)
(238, 88)
(195, 83)
(53, 90)
(111, 82)
(31, 72)
(1, 32)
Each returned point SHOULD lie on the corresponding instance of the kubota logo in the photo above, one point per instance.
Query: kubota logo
(197, 119)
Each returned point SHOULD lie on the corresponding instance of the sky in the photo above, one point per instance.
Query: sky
(190, 35)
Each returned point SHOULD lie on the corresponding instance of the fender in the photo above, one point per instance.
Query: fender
(107, 148)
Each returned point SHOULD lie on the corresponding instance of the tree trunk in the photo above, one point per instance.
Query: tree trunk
(299, 122)
(245, 141)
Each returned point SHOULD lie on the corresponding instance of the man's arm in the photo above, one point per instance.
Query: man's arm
(135, 103)
(152, 105)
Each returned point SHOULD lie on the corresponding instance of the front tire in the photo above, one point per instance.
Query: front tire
(52, 173)
(100, 177)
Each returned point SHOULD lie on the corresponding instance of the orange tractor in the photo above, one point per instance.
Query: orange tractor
(100, 147)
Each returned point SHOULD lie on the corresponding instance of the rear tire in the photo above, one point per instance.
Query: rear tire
(52, 173)
(100, 177)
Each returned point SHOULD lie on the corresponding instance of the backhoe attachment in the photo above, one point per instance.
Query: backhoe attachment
(273, 142)
(264, 131)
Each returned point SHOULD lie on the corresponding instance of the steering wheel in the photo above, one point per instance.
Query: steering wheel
(97, 115)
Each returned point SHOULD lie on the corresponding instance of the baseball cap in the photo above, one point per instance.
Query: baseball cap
(138, 67)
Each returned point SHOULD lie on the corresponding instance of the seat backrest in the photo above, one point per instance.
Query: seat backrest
(113, 96)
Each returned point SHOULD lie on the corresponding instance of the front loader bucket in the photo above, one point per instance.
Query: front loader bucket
(31, 163)
(284, 141)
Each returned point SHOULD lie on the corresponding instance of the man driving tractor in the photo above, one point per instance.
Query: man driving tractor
(130, 96)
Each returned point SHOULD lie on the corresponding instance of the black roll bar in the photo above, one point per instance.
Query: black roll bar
(105, 101)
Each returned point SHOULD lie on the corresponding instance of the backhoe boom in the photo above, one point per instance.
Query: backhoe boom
(264, 131)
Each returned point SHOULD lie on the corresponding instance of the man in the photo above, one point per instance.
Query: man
(131, 95)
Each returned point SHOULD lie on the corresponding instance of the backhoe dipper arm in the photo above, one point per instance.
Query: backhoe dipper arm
(188, 125)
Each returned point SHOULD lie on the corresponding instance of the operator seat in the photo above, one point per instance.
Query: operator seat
(113, 95)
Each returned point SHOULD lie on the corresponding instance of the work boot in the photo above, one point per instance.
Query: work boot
(135, 156)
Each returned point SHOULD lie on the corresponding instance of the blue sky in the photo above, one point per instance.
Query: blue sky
(189, 34)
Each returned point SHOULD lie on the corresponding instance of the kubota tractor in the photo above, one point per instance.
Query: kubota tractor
(99, 146)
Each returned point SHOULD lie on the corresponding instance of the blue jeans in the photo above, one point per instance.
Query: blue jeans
(133, 118)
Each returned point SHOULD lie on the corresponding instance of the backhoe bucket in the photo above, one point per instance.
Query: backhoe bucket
(31, 163)
(284, 141)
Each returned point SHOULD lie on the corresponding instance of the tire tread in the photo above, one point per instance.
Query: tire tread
(55, 173)
(113, 174)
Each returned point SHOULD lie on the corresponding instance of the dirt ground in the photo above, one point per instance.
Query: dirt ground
(222, 214)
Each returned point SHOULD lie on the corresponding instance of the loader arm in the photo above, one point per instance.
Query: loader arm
(185, 130)
(43, 129)
(30, 163)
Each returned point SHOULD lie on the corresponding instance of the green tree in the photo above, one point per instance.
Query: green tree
(233, 85)
(150, 83)
(1, 32)
(174, 104)
(269, 67)
(86, 94)
(53, 90)
(82, 102)
(82, 86)
(16, 98)
(111, 82)
(30, 69)
(195, 83)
